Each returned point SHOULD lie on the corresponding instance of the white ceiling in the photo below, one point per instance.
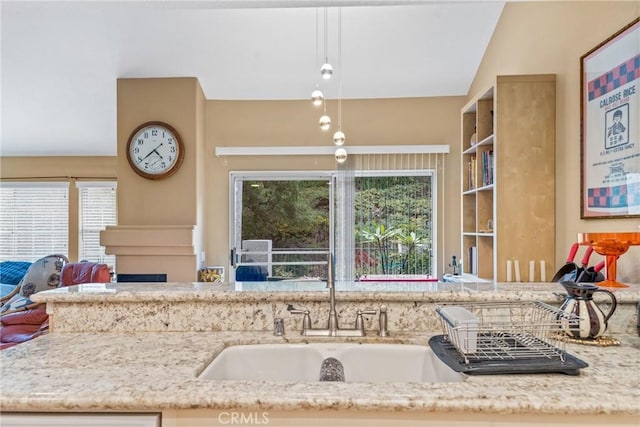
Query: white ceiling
(60, 59)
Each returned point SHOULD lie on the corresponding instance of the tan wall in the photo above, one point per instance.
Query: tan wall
(550, 37)
(408, 121)
(167, 201)
(157, 207)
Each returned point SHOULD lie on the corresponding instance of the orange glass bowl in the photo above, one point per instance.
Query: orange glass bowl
(612, 246)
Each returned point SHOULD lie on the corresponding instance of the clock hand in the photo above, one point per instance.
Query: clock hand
(149, 153)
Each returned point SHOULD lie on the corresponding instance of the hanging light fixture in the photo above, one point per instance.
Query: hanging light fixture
(339, 137)
(325, 122)
(326, 71)
(341, 155)
(317, 97)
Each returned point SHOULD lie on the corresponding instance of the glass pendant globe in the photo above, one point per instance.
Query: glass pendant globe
(338, 138)
(325, 122)
(341, 155)
(326, 71)
(317, 97)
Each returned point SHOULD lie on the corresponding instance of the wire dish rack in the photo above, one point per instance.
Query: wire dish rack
(495, 338)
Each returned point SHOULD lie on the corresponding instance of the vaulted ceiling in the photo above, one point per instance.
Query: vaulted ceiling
(60, 60)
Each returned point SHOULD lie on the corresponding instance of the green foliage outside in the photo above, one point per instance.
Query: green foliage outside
(294, 215)
(389, 211)
(392, 211)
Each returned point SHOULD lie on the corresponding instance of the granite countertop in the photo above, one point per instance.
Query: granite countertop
(158, 371)
(314, 291)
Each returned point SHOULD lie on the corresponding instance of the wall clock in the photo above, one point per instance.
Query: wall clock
(155, 150)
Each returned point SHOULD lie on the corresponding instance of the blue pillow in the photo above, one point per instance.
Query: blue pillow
(11, 272)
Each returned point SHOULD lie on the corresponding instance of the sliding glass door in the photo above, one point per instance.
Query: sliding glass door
(379, 224)
(281, 225)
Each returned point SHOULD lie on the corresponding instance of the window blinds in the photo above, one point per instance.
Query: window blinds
(34, 220)
(97, 210)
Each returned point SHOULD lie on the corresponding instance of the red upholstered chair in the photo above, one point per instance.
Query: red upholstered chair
(24, 325)
(75, 273)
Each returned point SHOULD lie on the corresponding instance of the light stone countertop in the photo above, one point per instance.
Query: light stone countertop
(157, 371)
(314, 291)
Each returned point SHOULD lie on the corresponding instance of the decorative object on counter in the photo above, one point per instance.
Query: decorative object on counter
(211, 274)
(543, 271)
(612, 246)
(579, 301)
(509, 270)
(569, 267)
(278, 326)
(592, 274)
(532, 271)
(454, 266)
(505, 338)
(516, 269)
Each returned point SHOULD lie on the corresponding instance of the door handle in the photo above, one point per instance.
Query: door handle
(233, 257)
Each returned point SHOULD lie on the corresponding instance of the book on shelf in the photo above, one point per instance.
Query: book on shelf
(473, 258)
(471, 172)
(487, 167)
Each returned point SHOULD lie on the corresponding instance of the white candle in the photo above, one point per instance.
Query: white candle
(532, 272)
(543, 272)
(516, 265)
(508, 270)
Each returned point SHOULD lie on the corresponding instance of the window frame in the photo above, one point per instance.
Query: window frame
(333, 177)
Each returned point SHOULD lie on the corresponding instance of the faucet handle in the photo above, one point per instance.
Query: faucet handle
(306, 321)
(360, 320)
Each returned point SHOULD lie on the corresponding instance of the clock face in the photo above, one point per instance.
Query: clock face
(155, 150)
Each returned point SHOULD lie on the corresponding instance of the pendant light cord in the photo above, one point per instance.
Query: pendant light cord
(326, 35)
(340, 70)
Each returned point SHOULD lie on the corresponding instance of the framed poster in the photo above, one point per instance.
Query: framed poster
(610, 126)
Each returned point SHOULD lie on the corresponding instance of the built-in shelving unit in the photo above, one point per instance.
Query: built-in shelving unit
(508, 177)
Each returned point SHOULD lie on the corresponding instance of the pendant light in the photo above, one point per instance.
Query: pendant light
(325, 122)
(339, 137)
(326, 71)
(317, 97)
(341, 155)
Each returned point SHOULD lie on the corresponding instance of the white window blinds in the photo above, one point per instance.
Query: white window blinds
(34, 220)
(97, 210)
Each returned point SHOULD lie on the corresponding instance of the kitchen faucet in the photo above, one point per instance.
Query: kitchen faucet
(332, 329)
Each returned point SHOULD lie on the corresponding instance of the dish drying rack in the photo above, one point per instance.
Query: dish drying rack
(506, 337)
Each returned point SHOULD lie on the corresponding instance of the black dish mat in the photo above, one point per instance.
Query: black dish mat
(447, 352)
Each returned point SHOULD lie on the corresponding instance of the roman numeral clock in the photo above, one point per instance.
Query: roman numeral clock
(155, 150)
